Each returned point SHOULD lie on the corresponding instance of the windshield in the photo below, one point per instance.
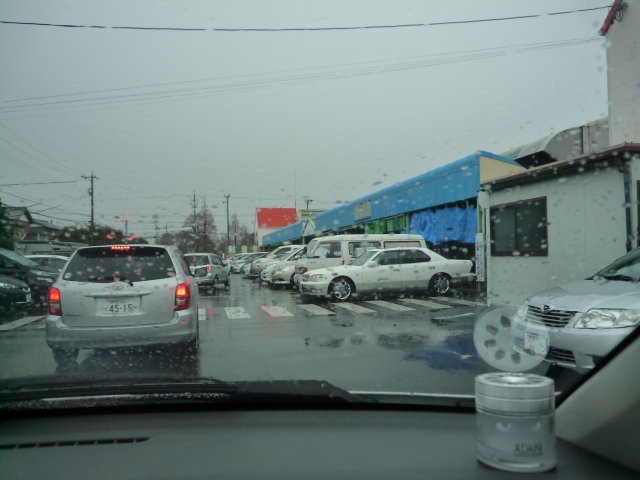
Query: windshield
(487, 150)
(627, 266)
(16, 257)
(364, 258)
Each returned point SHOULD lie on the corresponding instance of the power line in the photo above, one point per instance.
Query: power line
(202, 92)
(304, 29)
(29, 200)
(38, 183)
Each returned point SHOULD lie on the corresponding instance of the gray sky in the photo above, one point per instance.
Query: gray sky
(346, 112)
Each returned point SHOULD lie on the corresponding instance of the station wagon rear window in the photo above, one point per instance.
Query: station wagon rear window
(103, 265)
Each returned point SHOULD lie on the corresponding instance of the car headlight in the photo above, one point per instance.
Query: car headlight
(608, 318)
(9, 286)
(522, 311)
(316, 278)
(269, 268)
(284, 269)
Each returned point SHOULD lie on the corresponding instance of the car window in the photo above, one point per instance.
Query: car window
(17, 258)
(388, 258)
(57, 263)
(353, 246)
(413, 256)
(197, 260)
(103, 265)
(364, 258)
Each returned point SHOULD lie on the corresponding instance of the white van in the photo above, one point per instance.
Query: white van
(335, 250)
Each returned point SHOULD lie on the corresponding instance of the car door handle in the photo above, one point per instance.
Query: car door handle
(396, 269)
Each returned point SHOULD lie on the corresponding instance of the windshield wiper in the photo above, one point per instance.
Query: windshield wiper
(172, 388)
(622, 278)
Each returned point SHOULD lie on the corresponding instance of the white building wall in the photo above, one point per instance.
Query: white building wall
(623, 62)
(586, 231)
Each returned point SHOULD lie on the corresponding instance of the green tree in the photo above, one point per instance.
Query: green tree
(97, 235)
(6, 229)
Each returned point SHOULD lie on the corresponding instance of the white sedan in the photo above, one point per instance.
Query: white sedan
(388, 270)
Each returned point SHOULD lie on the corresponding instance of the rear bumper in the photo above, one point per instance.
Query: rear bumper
(181, 328)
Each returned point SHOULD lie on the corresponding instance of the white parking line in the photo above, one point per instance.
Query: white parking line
(316, 310)
(391, 306)
(425, 303)
(19, 323)
(236, 312)
(459, 301)
(276, 311)
(354, 308)
(202, 314)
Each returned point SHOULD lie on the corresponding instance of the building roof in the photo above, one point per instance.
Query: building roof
(276, 217)
(564, 167)
(15, 213)
(291, 232)
(450, 183)
(44, 224)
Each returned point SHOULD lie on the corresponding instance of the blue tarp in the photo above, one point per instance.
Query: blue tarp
(452, 224)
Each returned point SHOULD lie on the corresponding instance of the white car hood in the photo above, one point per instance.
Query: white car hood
(335, 271)
(587, 294)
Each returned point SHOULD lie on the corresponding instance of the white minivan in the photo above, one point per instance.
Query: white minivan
(336, 250)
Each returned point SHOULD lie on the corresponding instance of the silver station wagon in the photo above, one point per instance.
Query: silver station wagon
(122, 296)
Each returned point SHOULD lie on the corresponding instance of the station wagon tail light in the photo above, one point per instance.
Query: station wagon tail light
(55, 306)
(120, 247)
(183, 296)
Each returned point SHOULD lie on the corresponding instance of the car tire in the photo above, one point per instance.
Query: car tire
(440, 283)
(341, 289)
(215, 282)
(226, 282)
(65, 355)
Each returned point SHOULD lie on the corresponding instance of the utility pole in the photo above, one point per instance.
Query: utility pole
(227, 202)
(155, 220)
(92, 178)
(204, 223)
(308, 200)
(126, 227)
(195, 223)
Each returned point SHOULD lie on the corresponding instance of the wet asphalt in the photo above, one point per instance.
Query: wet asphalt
(250, 331)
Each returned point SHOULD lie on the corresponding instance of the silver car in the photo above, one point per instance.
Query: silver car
(268, 267)
(277, 254)
(55, 261)
(123, 296)
(216, 271)
(239, 267)
(577, 324)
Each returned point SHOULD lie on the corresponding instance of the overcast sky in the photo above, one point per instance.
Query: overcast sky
(159, 114)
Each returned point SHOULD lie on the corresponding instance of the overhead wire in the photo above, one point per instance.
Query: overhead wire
(304, 29)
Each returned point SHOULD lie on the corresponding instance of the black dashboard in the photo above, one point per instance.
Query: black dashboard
(265, 444)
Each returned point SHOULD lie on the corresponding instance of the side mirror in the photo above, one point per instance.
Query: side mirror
(297, 257)
(372, 264)
(200, 272)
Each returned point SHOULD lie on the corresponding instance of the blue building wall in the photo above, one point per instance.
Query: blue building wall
(284, 234)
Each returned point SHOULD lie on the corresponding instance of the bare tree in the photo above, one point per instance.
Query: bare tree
(203, 228)
(239, 233)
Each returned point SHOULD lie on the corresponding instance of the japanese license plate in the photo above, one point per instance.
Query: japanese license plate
(119, 306)
(535, 343)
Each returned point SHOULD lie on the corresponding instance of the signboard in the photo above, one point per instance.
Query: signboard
(480, 257)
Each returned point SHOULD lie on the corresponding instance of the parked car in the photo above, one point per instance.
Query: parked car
(239, 265)
(216, 271)
(47, 247)
(278, 253)
(54, 261)
(246, 269)
(332, 251)
(15, 295)
(388, 270)
(276, 264)
(123, 296)
(39, 279)
(577, 324)
(283, 272)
